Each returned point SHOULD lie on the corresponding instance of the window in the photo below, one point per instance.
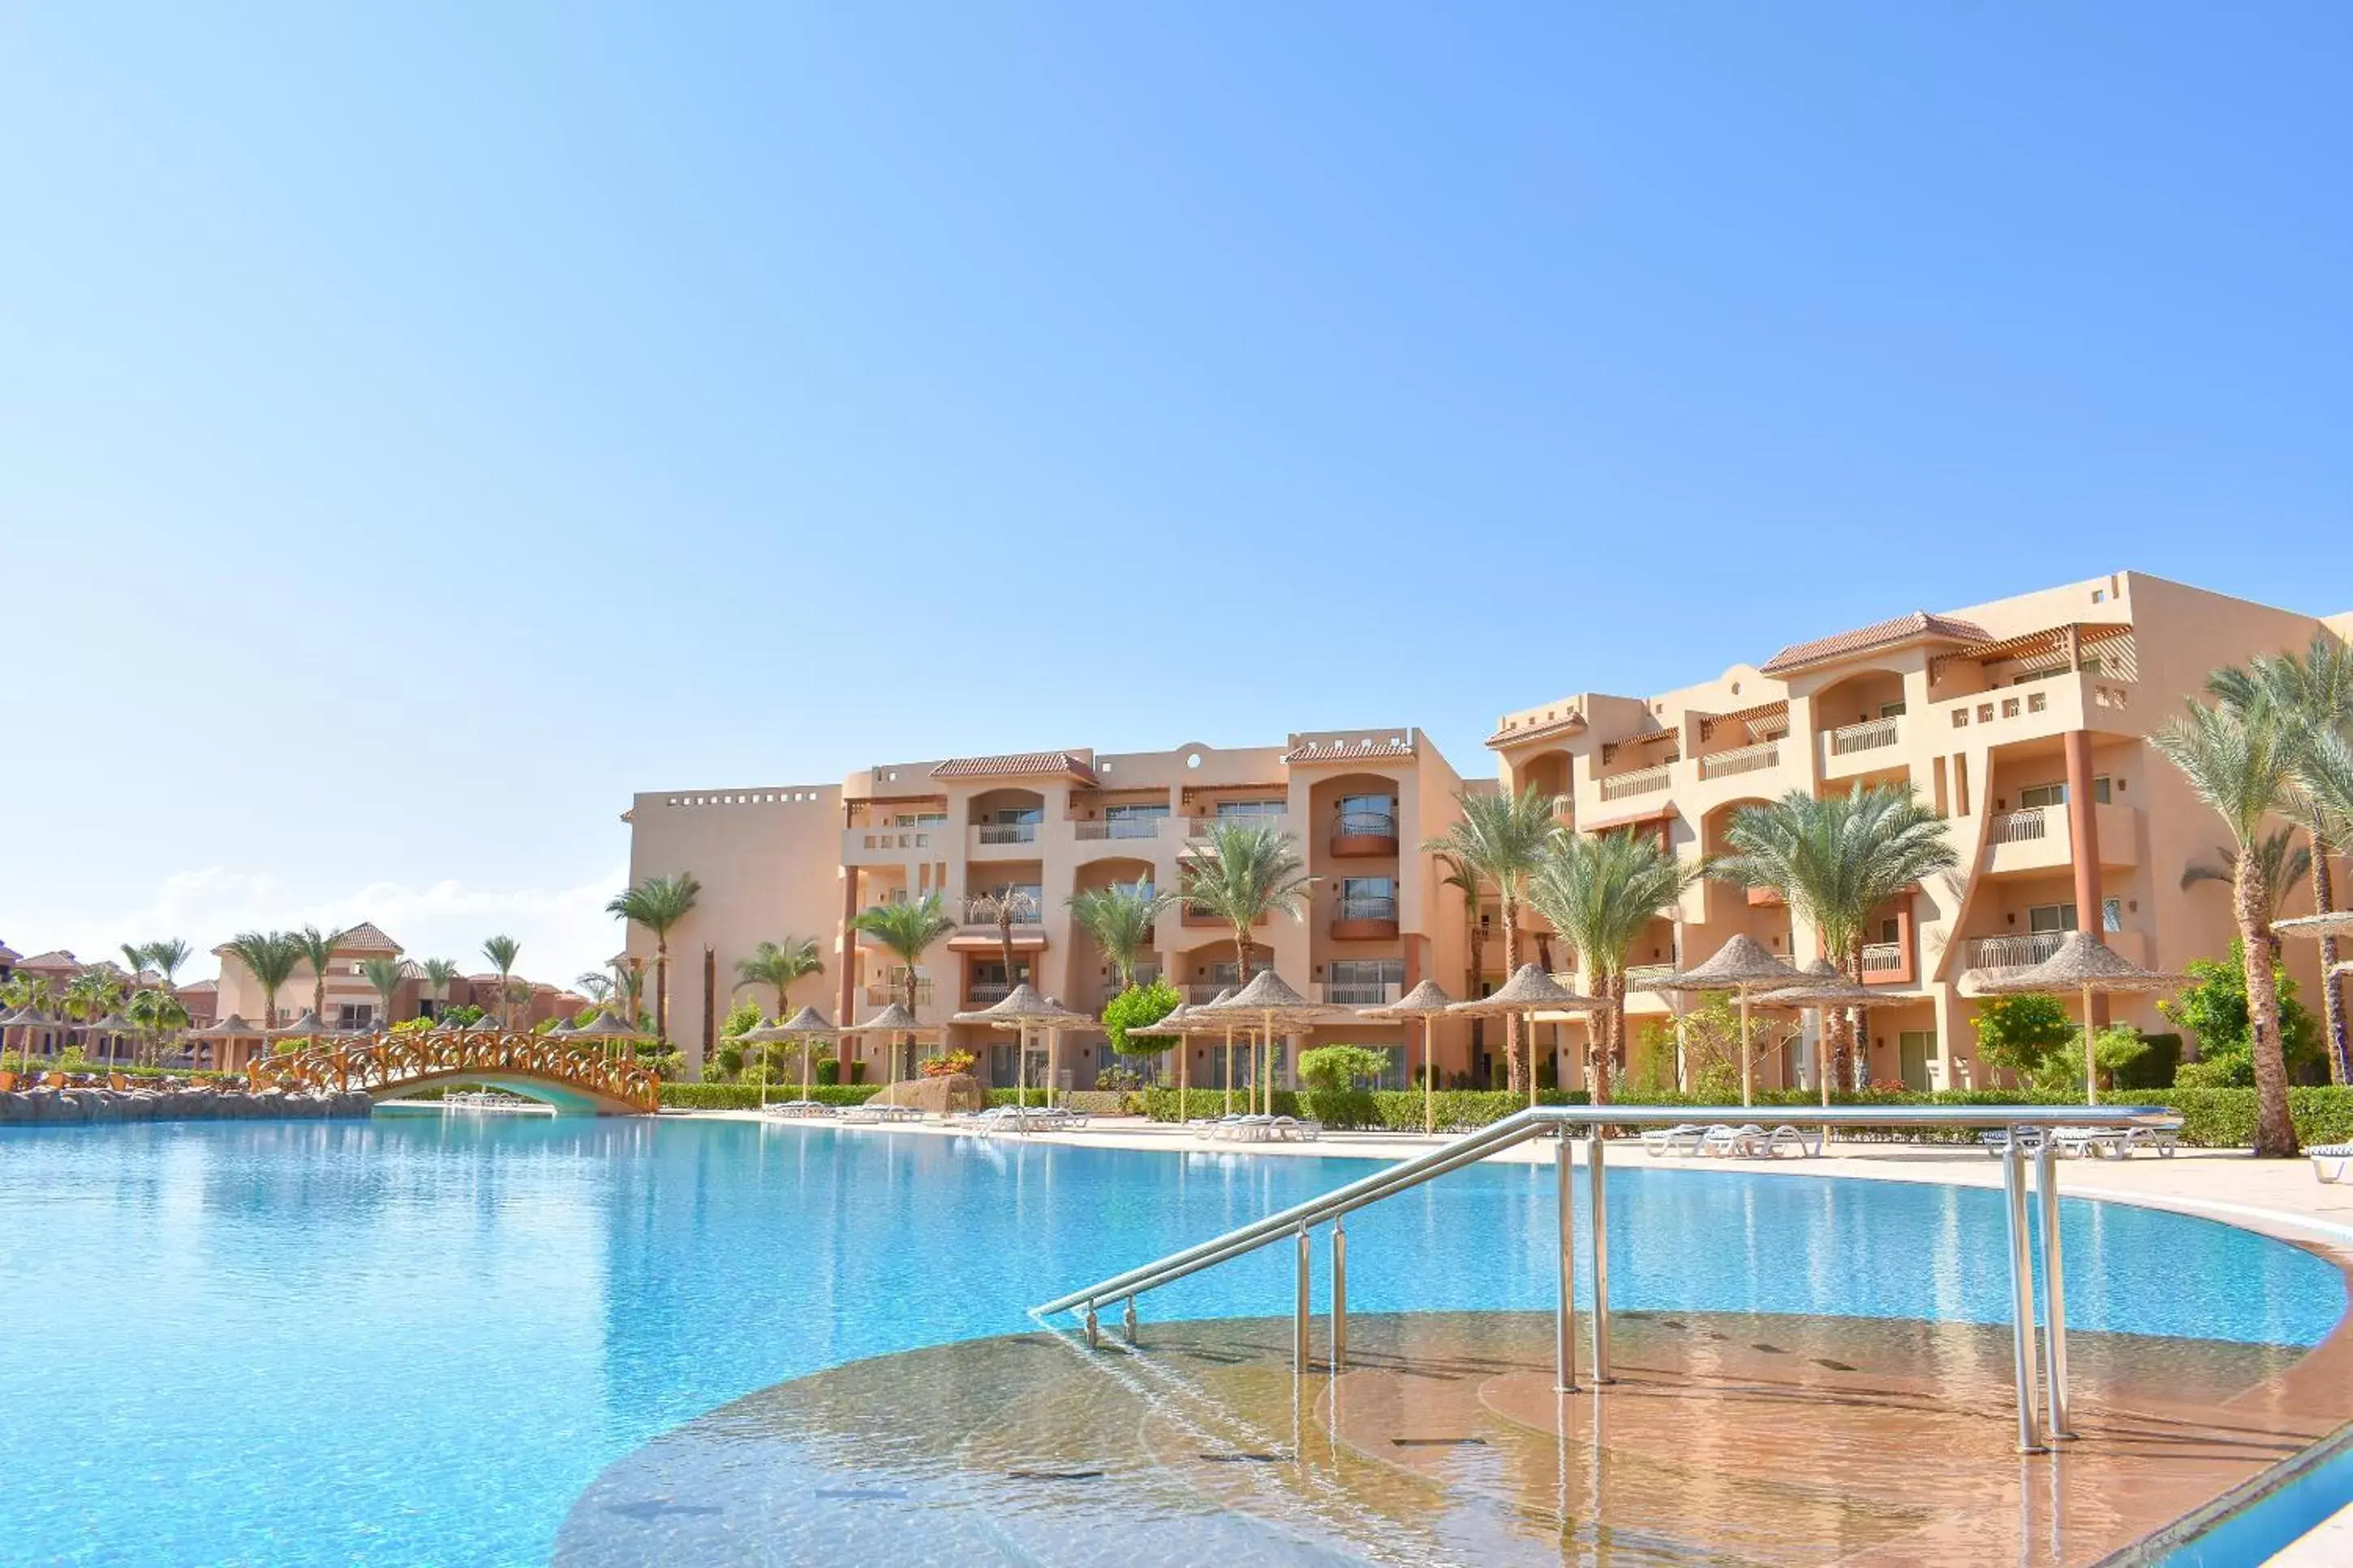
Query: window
(1135, 812)
(2112, 914)
(1891, 709)
(1890, 929)
(355, 1015)
(918, 818)
(1013, 816)
(2041, 794)
(1367, 899)
(1364, 982)
(2043, 918)
(1250, 808)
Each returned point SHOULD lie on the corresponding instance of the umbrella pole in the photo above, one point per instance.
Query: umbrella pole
(1183, 1060)
(2091, 1057)
(806, 1043)
(1429, 1082)
(1823, 1052)
(1229, 1070)
(1268, 1108)
(1532, 1059)
(1747, 1090)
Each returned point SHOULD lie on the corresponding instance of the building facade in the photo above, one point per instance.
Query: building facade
(2024, 722)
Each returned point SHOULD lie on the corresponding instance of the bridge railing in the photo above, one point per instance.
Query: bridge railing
(387, 1061)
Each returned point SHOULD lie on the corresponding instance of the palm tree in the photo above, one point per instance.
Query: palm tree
(503, 950)
(1241, 873)
(270, 957)
(438, 973)
(1460, 874)
(2279, 864)
(630, 991)
(164, 957)
(90, 994)
(659, 903)
(318, 950)
(2325, 781)
(2313, 696)
(1120, 918)
(1835, 861)
(1502, 838)
(778, 963)
(1002, 909)
(1599, 892)
(156, 1012)
(385, 975)
(2242, 763)
(595, 984)
(907, 930)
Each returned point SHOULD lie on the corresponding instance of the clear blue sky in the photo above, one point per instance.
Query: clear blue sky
(420, 429)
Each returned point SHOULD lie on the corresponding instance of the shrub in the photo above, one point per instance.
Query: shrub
(2214, 1007)
(1341, 1067)
(828, 1070)
(730, 1060)
(947, 1065)
(2020, 1035)
(742, 1019)
(745, 1096)
(1137, 1005)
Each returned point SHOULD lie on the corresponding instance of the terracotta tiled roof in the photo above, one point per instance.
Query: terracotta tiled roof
(60, 958)
(1514, 735)
(8, 954)
(1364, 751)
(1920, 624)
(411, 970)
(199, 988)
(1016, 764)
(365, 937)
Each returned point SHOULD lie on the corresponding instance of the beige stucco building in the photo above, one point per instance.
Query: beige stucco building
(2024, 722)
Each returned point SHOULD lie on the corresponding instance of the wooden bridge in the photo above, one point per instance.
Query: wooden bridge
(580, 1080)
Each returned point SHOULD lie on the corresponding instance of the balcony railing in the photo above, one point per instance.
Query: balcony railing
(1365, 825)
(2014, 952)
(986, 992)
(1637, 973)
(1365, 907)
(1198, 826)
(1648, 781)
(1004, 833)
(1361, 992)
(1741, 760)
(895, 839)
(1868, 737)
(1119, 827)
(1030, 910)
(881, 993)
(2017, 826)
(1882, 957)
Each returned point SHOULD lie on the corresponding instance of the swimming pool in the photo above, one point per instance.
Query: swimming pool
(415, 1340)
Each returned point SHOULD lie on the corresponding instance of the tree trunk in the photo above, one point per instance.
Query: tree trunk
(2332, 1002)
(2274, 1127)
(1861, 1019)
(1241, 955)
(662, 990)
(1613, 991)
(1513, 1079)
(1005, 939)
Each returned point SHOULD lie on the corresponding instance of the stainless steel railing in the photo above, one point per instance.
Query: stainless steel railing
(2025, 1128)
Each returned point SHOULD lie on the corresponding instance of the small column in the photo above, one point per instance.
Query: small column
(2084, 837)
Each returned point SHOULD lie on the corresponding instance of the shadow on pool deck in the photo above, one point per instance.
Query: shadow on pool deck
(1729, 1438)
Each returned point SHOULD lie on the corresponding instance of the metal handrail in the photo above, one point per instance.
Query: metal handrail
(1296, 1222)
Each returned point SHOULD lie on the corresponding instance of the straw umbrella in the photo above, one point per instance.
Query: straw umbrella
(890, 1023)
(228, 1032)
(2086, 963)
(1425, 1002)
(488, 1024)
(1742, 967)
(1528, 992)
(25, 1020)
(1823, 988)
(1270, 999)
(1176, 1021)
(765, 1035)
(1021, 1008)
(1185, 1022)
(806, 1026)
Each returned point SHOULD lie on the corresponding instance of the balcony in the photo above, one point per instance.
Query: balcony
(1198, 826)
(1643, 781)
(1117, 827)
(881, 993)
(2013, 951)
(1364, 834)
(1360, 993)
(1364, 917)
(1753, 759)
(1030, 912)
(1002, 840)
(1883, 959)
(2041, 839)
(986, 993)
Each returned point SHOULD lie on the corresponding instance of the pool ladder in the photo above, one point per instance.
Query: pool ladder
(2026, 1127)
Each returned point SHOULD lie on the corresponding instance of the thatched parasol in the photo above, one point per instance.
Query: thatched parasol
(1269, 998)
(307, 1027)
(1823, 988)
(1529, 991)
(806, 1025)
(1424, 1002)
(488, 1024)
(1023, 1008)
(1185, 1022)
(25, 1018)
(2086, 963)
(1744, 968)
(764, 1035)
(890, 1023)
(2336, 922)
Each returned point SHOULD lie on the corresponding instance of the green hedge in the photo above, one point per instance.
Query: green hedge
(2212, 1118)
(746, 1096)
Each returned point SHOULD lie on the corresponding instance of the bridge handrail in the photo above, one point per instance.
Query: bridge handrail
(1537, 1121)
(425, 1056)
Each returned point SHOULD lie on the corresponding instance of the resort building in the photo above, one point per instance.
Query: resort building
(2025, 722)
(352, 1002)
(805, 859)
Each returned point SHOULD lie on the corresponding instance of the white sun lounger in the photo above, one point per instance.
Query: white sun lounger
(1745, 1141)
(1683, 1138)
(1807, 1141)
(2332, 1162)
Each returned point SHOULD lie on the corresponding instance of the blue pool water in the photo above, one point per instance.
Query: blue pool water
(415, 1340)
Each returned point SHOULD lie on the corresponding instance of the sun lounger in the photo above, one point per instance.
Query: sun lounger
(1807, 1141)
(1295, 1129)
(1997, 1140)
(2088, 1143)
(798, 1107)
(1745, 1141)
(2332, 1162)
(1683, 1138)
(2164, 1140)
